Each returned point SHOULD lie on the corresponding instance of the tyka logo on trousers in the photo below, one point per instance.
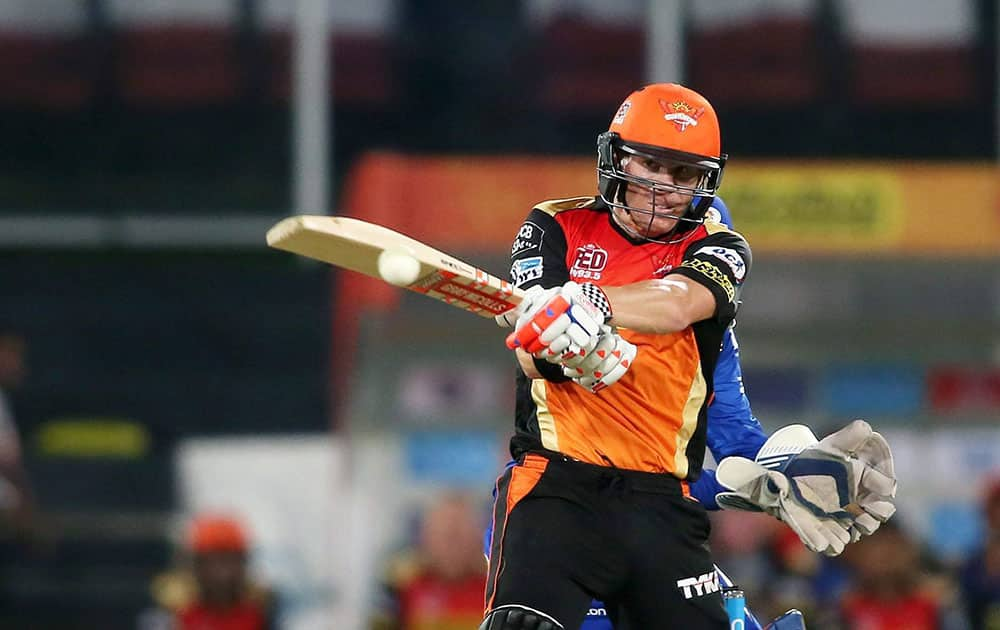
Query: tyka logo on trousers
(704, 584)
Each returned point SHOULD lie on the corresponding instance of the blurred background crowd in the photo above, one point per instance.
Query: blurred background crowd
(197, 430)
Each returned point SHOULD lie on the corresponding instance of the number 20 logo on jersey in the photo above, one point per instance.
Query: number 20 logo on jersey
(589, 263)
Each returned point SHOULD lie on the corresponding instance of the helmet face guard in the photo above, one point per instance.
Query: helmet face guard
(613, 181)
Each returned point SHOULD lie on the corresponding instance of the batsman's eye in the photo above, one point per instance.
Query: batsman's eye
(685, 174)
(654, 166)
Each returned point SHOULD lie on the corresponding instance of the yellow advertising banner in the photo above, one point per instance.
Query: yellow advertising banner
(476, 203)
(877, 209)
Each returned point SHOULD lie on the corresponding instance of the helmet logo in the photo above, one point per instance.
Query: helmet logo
(681, 114)
(620, 115)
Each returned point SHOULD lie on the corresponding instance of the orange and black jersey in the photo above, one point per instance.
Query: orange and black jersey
(653, 419)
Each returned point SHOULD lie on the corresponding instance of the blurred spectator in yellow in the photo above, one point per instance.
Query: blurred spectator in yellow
(440, 584)
(980, 576)
(214, 592)
(892, 588)
(16, 499)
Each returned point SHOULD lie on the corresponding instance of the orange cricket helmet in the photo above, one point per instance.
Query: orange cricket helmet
(210, 532)
(667, 122)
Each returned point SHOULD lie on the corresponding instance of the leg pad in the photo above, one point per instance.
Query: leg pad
(514, 617)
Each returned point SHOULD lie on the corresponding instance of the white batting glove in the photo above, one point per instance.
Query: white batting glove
(570, 318)
(603, 366)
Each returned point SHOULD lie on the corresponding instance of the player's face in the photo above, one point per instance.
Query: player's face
(654, 210)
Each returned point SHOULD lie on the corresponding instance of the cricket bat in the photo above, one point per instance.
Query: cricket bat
(357, 245)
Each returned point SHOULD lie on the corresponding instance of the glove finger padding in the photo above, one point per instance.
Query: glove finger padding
(867, 460)
(836, 536)
(575, 328)
(588, 361)
(858, 441)
(605, 364)
(573, 355)
(865, 525)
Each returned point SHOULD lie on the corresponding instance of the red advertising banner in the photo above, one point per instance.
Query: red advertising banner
(964, 389)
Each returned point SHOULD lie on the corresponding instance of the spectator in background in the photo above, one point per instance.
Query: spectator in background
(980, 577)
(797, 578)
(215, 591)
(16, 499)
(892, 589)
(440, 584)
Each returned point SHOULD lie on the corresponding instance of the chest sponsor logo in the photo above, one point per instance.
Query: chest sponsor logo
(698, 586)
(529, 237)
(526, 269)
(590, 261)
(728, 256)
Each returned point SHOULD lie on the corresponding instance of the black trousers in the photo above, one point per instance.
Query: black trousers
(566, 532)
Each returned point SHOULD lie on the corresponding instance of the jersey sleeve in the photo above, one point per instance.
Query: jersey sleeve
(732, 427)
(538, 254)
(720, 262)
(538, 257)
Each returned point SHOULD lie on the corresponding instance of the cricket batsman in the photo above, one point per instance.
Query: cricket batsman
(631, 294)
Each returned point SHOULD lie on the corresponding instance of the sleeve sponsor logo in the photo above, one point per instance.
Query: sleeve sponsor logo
(590, 261)
(529, 237)
(729, 256)
(714, 274)
(526, 269)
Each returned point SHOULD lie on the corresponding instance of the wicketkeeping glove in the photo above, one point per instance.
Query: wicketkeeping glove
(771, 491)
(858, 462)
(844, 484)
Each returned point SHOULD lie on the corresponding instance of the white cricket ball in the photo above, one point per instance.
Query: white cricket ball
(398, 268)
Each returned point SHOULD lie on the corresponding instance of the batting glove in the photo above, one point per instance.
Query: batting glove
(569, 318)
(603, 366)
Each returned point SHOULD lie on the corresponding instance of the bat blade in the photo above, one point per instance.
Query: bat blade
(355, 244)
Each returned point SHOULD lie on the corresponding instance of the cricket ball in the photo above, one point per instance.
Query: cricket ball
(398, 268)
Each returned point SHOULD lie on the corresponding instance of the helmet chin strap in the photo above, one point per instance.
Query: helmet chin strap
(633, 231)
